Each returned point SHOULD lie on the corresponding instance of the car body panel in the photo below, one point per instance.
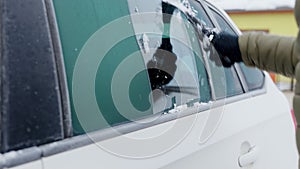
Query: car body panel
(31, 165)
(250, 128)
(238, 126)
(223, 149)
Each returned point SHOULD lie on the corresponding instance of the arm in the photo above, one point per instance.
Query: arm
(269, 52)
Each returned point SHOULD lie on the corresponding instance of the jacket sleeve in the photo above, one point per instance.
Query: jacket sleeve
(269, 52)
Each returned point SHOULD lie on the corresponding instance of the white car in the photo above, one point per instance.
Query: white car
(133, 84)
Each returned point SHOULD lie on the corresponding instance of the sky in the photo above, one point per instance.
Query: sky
(253, 4)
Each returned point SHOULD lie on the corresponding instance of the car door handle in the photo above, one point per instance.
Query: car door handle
(248, 158)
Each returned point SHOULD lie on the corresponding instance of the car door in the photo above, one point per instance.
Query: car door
(194, 119)
(145, 136)
(255, 125)
(254, 84)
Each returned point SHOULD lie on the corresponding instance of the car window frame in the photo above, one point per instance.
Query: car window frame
(209, 7)
(233, 69)
(60, 65)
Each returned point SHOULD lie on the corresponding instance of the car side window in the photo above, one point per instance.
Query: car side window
(201, 13)
(173, 58)
(168, 72)
(225, 80)
(113, 75)
(232, 85)
(253, 76)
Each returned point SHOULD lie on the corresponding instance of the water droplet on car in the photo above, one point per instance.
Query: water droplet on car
(28, 130)
(136, 9)
(27, 87)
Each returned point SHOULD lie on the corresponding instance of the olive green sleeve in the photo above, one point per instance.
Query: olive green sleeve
(269, 52)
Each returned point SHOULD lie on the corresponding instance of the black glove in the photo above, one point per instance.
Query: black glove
(228, 48)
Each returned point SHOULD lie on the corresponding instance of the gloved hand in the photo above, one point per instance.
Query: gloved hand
(228, 48)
